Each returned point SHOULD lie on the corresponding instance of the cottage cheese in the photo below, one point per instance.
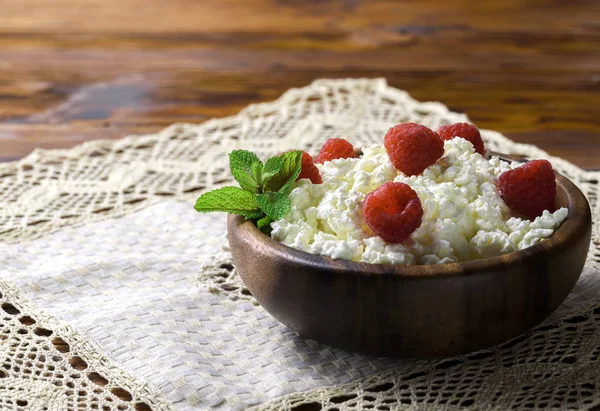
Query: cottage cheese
(464, 218)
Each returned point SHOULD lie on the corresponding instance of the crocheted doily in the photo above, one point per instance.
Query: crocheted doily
(115, 294)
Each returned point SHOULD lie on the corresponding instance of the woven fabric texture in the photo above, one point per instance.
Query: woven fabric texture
(113, 287)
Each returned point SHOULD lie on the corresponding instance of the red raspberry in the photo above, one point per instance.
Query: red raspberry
(412, 147)
(309, 170)
(465, 130)
(529, 189)
(335, 148)
(393, 211)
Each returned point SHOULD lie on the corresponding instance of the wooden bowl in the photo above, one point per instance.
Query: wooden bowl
(419, 310)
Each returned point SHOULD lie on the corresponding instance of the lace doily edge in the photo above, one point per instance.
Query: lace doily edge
(82, 344)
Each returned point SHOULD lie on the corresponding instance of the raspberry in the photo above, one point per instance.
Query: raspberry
(465, 130)
(393, 211)
(529, 189)
(335, 148)
(309, 170)
(412, 147)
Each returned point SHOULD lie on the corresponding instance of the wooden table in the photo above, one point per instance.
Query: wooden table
(74, 71)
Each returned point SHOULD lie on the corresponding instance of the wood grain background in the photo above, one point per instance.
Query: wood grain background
(71, 71)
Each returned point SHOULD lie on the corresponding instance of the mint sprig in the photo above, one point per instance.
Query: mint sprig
(275, 205)
(232, 200)
(263, 196)
(242, 163)
(280, 172)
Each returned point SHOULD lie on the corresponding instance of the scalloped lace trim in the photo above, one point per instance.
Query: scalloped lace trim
(51, 366)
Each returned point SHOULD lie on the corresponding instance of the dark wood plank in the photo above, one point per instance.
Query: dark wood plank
(559, 120)
(513, 66)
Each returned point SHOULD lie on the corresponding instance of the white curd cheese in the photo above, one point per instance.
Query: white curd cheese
(464, 218)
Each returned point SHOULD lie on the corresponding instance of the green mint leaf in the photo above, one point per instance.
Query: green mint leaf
(232, 200)
(274, 205)
(257, 172)
(281, 171)
(272, 167)
(240, 164)
(264, 225)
